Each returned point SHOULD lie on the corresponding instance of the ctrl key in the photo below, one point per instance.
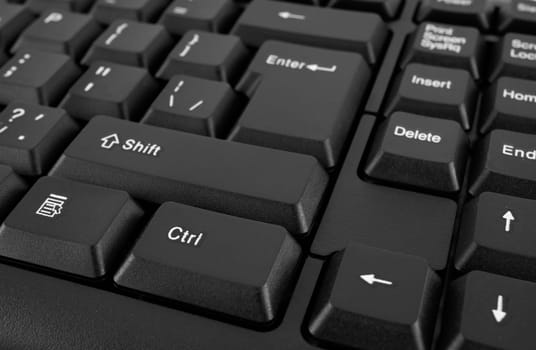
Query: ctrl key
(224, 264)
(375, 299)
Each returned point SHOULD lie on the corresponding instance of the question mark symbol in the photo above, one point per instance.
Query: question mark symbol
(17, 113)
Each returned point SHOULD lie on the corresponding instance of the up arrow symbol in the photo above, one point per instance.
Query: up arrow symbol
(508, 217)
(109, 141)
(499, 313)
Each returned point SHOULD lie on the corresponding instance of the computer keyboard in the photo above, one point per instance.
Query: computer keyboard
(269, 175)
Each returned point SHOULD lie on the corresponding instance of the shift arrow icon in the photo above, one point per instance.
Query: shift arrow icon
(371, 279)
(109, 141)
(499, 313)
(508, 217)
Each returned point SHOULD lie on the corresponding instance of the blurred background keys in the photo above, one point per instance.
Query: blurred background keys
(32, 137)
(36, 77)
(518, 16)
(131, 43)
(72, 227)
(388, 301)
(14, 19)
(60, 32)
(68, 5)
(515, 57)
(388, 9)
(239, 267)
(206, 55)
(106, 11)
(211, 16)
(468, 12)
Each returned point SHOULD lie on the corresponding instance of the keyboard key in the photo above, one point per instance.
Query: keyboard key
(195, 105)
(518, 16)
(419, 151)
(43, 312)
(111, 89)
(468, 12)
(77, 228)
(36, 77)
(206, 55)
(447, 46)
(489, 312)
(11, 189)
(388, 9)
(162, 165)
(66, 5)
(106, 11)
(369, 291)
(14, 19)
(60, 32)
(32, 137)
(497, 236)
(302, 99)
(510, 104)
(197, 257)
(517, 57)
(211, 16)
(505, 162)
(435, 91)
(131, 43)
(364, 33)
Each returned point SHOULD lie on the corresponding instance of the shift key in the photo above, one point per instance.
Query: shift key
(160, 165)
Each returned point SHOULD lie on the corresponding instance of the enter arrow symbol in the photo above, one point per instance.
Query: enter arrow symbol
(509, 217)
(499, 313)
(371, 279)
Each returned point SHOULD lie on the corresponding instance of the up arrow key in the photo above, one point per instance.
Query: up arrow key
(508, 217)
(371, 279)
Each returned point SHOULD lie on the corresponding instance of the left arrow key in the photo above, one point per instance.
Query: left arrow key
(368, 290)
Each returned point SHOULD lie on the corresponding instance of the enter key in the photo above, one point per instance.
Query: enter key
(302, 99)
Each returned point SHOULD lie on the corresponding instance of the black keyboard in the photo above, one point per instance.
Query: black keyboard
(268, 175)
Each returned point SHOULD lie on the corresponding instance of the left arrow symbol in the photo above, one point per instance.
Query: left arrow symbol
(371, 279)
(289, 15)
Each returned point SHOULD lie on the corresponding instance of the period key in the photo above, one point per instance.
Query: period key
(239, 267)
(419, 151)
